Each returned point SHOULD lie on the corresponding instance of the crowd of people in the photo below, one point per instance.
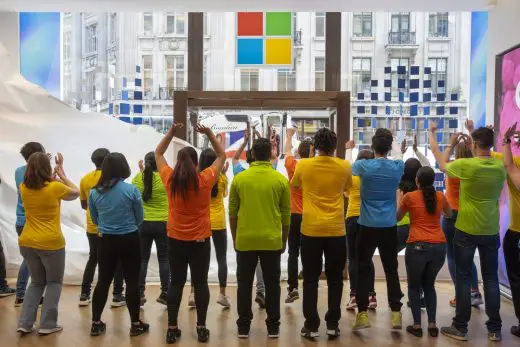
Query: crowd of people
(392, 205)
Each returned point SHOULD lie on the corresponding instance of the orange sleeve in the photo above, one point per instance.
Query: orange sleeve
(405, 203)
(208, 178)
(165, 174)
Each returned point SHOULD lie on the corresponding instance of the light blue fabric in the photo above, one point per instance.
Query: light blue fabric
(238, 168)
(379, 182)
(117, 211)
(20, 211)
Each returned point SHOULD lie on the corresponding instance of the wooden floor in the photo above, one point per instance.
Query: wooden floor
(76, 323)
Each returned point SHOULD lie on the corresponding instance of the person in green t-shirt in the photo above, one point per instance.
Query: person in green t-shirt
(155, 205)
(481, 181)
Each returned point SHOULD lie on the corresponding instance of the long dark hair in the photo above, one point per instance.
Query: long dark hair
(411, 167)
(184, 174)
(150, 166)
(207, 158)
(114, 168)
(38, 172)
(425, 178)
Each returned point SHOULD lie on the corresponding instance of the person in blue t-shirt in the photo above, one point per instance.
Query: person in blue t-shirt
(117, 210)
(380, 179)
(23, 273)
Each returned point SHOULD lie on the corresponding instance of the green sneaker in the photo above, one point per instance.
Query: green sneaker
(397, 318)
(362, 321)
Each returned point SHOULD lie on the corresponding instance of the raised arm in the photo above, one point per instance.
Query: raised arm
(422, 158)
(218, 164)
(349, 146)
(162, 147)
(440, 158)
(288, 141)
(238, 153)
(74, 191)
(398, 151)
(512, 170)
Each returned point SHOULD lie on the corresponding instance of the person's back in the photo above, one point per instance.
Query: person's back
(324, 180)
(263, 201)
(379, 180)
(156, 207)
(424, 226)
(118, 210)
(88, 182)
(217, 211)
(481, 183)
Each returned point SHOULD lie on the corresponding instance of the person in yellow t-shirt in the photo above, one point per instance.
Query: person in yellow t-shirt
(218, 222)
(511, 244)
(88, 182)
(323, 180)
(41, 242)
(352, 227)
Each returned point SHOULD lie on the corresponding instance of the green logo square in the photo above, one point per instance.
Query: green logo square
(278, 23)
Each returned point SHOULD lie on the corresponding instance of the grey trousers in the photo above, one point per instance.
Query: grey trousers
(260, 286)
(47, 269)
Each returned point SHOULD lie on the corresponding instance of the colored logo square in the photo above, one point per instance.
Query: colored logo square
(250, 24)
(250, 51)
(278, 23)
(278, 51)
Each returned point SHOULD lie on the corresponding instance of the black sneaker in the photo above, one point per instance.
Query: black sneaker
(333, 333)
(202, 334)
(98, 329)
(18, 302)
(260, 300)
(118, 301)
(308, 334)
(6, 291)
(243, 333)
(139, 329)
(162, 299)
(84, 300)
(454, 333)
(273, 332)
(415, 332)
(142, 300)
(172, 335)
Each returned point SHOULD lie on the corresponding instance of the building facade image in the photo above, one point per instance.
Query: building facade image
(101, 52)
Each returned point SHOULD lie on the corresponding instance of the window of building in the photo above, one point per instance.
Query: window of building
(148, 23)
(175, 72)
(439, 68)
(362, 24)
(394, 63)
(175, 23)
(319, 73)
(319, 20)
(91, 43)
(439, 24)
(67, 45)
(400, 29)
(286, 80)
(361, 75)
(249, 79)
(147, 74)
(113, 27)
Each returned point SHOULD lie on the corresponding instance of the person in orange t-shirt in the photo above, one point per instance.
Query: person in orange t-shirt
(304, 150)
(462, 150)
(189, 225)
(426, 246)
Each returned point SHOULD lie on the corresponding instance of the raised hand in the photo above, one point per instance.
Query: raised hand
(404, 146)
(141, 165)
(202, 129)
(470, 125)
(510, 132)
(433, 127)
(60, 172)
(175, 126)
(225, 167)
(59, 159)
(291, 132)
(455, 139)
(247, 134)
(415, 143)
(350, 144)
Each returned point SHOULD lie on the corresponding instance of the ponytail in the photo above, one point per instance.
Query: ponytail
(425, 178)
(149, 167)
(185, 174)
(207, 158)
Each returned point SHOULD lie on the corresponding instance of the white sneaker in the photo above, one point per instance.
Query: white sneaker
(224, 301)
(50, 331)
(24, 331)
(191, 301)
(352, 304)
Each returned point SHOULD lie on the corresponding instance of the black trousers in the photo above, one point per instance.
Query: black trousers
(94, 241)
(114, 249)
(196, 255)
(3, 274)
(149, 233)
(220, 243)
(313, 249)
(385, 239)
(511, 249)
(352, 228)
(294, 241)
(246, 265)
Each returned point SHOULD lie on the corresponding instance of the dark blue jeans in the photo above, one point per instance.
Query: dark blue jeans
(423, 263)
(352, 228)
(448, 226)
(464, 251)
(23, 272)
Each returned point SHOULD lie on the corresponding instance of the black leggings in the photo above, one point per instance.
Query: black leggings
(113, 249)
(196, 255)
(220, 243)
